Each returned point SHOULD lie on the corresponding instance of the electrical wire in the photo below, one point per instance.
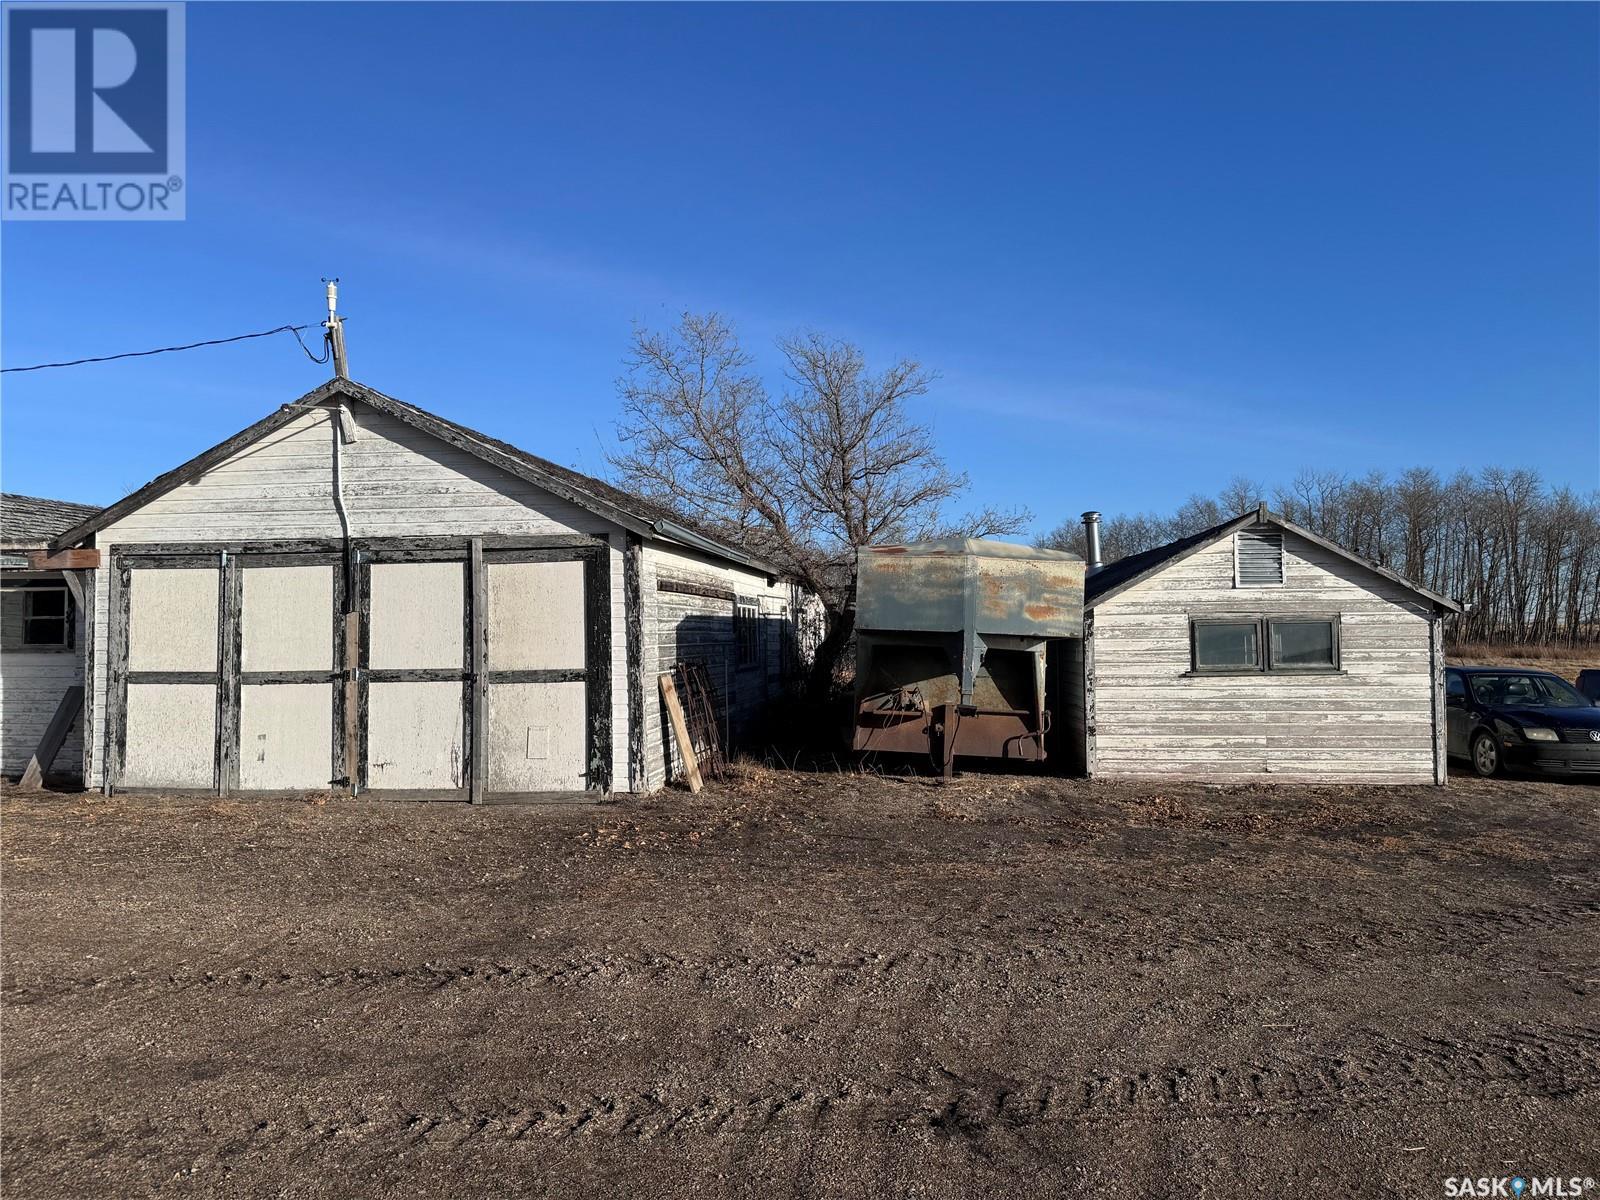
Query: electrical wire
(77, 362)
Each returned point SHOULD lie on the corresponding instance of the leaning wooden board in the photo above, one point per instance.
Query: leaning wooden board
(680, 733)
(55, 733)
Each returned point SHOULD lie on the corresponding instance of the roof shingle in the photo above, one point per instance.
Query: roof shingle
(29, 521)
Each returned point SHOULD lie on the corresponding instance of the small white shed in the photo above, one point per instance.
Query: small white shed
(1257, 649)
(357, 592)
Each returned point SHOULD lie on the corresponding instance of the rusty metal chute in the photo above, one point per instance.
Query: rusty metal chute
(951, 639)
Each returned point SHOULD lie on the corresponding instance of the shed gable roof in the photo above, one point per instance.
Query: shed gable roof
(34, 520)
(1136, 568)
(630, 512)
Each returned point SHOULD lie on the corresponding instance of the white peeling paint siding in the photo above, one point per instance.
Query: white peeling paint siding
(1152, 717)
(398, 482)
(681, 626)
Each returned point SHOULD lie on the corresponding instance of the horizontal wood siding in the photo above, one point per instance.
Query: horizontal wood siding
(1152, 717)
(397, 482)
(694, 619)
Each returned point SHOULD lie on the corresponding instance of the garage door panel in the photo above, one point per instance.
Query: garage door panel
(285, 736)
(172, 619)
(415, 736)
(416, 613)
(286, 618)
(536, 616)
(171, 736)
(537, 737)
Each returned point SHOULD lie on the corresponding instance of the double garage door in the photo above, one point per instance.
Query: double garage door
(451, 673)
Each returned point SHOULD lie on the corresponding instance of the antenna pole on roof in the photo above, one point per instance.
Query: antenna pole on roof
(335, 327)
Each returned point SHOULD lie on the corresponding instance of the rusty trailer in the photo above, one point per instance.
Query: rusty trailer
(950, 646)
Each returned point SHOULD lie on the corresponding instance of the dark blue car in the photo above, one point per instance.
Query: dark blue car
(1508, 716)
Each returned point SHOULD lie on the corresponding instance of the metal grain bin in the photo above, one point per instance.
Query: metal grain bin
(951, 639)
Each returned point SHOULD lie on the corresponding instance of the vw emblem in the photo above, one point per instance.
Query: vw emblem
(1594, 735)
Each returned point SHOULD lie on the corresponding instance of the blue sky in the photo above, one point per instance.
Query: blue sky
(1146, 247)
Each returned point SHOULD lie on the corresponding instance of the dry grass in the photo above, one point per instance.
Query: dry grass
(1565, 661)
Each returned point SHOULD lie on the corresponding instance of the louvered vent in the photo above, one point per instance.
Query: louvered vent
(1258, 558)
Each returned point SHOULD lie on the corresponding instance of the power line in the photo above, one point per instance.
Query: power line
(77, 362)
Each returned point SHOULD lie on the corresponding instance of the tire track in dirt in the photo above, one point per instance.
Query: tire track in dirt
(992, 945)
(1517, 1062)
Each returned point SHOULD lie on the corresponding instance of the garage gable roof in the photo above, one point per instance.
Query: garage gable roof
(632, 513)
(1123, 574)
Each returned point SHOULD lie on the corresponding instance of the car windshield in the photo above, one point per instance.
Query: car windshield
(1526, 691)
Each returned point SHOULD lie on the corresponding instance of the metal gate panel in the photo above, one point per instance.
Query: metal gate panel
(172, 619)
(170, 735)
(284, 614)
(536, 615)
(537, 737)
(285, 736)
(416, 736)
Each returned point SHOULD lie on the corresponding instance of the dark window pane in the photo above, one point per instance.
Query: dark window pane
(1231, 646)
(1302, 644)
(47, 604)
(747, 632)
(44, 631)
(1455, 685)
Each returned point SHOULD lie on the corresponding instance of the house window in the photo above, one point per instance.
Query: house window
(46, 617)
(1227, 645)
(1257, 558)
(1301, 645)
(747, 631)
(1230, 645)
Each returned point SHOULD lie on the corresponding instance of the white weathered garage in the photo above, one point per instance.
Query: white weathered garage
(355, 592)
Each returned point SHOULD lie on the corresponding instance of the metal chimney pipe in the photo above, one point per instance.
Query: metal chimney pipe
(1091, 529)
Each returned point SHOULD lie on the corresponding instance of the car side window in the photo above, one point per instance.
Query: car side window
(1455, 685)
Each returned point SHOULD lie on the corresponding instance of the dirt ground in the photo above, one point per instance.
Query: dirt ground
(802, 985)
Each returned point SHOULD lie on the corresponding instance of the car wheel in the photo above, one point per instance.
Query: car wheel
(1486, 755)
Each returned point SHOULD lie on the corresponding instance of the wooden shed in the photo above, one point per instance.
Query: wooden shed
(1257, 649)
(356, 592)
(41, 640)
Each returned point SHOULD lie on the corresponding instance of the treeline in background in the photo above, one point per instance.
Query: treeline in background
(1522, 558)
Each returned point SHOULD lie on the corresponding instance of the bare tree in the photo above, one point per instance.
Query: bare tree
(836, 462)
(1523, 560)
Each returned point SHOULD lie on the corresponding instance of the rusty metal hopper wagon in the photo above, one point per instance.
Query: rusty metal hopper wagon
(950, 646)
